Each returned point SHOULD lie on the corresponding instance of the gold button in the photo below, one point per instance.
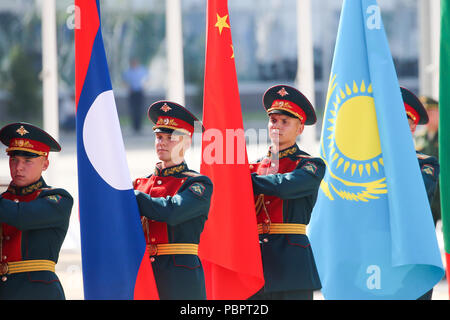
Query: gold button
(153, 239)
(4, 278)
(266, 240)
(152, 259)
(159, 182)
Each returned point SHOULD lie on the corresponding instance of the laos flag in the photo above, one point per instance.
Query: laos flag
(115, 263)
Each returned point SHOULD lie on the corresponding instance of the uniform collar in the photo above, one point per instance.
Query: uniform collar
(292, 150)
(171, 171)
(23, 191)
(420, 155)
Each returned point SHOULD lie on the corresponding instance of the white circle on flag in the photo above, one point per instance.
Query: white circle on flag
(102, 139)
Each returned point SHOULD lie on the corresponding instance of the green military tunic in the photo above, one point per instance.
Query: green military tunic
(174, 203)
(288, 198)
(429, 167)
(429, 145)
(33, 223)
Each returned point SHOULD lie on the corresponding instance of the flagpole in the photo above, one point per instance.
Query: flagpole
(444, 131)
(435, 22)
(429, 30)
(174, 39)
(50, 70)
(305, 67)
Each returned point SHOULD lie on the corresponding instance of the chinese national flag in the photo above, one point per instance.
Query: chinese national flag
(229, 246)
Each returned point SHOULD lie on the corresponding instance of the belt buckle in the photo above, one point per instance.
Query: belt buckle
(265, 227)
(4, 268)
(153, 249)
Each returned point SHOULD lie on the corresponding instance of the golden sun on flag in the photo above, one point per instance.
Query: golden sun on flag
(353, 130)
(351, 144)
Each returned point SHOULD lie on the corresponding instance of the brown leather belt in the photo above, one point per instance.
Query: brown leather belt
(26, 266)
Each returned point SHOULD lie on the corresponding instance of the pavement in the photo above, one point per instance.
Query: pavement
(141, 159)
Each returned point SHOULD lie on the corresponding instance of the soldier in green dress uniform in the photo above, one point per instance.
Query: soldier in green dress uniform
(427, 142)
(285, 184)
(429, 165)
(174, 204)
(34, 217)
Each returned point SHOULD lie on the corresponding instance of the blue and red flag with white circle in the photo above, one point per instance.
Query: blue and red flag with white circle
(114, 259)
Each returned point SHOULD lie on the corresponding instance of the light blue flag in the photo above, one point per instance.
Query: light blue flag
(371, 231)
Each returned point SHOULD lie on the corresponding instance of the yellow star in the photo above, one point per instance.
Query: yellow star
(221, 23)
(232, 48)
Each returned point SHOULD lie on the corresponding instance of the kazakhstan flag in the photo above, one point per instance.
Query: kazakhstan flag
(371, 231)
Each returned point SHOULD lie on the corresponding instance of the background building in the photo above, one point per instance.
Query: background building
(264, 38)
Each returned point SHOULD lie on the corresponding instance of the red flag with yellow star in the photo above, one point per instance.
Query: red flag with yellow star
(229, 246)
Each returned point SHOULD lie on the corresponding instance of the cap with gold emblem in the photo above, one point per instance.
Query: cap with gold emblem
(25, 139)
(414, 108)
(289, 101)
(170, 117)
